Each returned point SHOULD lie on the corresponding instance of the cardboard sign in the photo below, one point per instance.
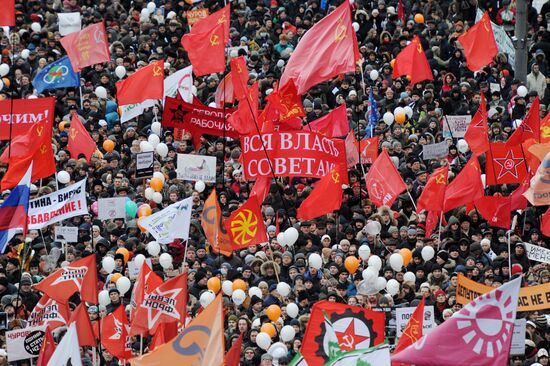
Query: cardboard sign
(111, 208)
(455, 126)
(66, 233)
(195, 15)
(536, 253)
(144, 164)
(24, 343)
(434, 151)
(197, 167)
(517, 347)
(402, 316)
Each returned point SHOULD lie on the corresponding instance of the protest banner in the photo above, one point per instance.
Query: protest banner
(24, 343)
(536, 253)
(144, 164)
(195, 15)
(434, 151)
(111, 208)
(60, 205)
(402, 316)
(291, 154)
(69, 23)
(530, 298)
(24, 113)
(517, 347)
(455, 126)
(66, 233)
(170, 223)
(197, 167)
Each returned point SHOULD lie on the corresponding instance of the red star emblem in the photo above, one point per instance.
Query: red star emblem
(349, 337)
(508, 165)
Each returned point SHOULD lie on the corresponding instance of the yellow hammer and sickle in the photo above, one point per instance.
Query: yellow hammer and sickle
(157, 70)
(545, 131)
(43, 149)
(341, 30)
(39, 130)
(214, 40)
(419, 47)
(335, 177)
(440, 179)
(239, 68)
(73, 133)
(485, 25)
(222, 19)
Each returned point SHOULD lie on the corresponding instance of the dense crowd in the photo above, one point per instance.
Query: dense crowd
(266, 33)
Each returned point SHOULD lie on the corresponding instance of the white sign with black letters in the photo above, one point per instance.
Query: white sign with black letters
(402, 316)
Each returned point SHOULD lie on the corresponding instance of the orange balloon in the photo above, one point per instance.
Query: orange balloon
(108, 145)
(125, 253)
(273, 312)
(214, 284)
(239, 284)
(6, 82)
(400, 118)
(269, 329)
(144, 210)
(407, 256)
(115, 277)
(392, 62)
(351, 264)
(62, 126)
(156, 184)
(419, 18)
(141, 228)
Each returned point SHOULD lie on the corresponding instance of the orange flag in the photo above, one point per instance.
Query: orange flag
(466, 187)
(80, 141)
(211, 222)
(239, 75)
(146, 83)
(412, 61)
(246, 225)
(433, 194)
(327, 50)
(84, 328)
(206, 50)
(47, 349)
(479, 44)
(477, 133)
(384, 183)
(412, 332)
(200, 343)
(325, 197)
(529, 128)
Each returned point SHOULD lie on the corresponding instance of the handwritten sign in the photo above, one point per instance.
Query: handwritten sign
(434, 151)
(456, 126)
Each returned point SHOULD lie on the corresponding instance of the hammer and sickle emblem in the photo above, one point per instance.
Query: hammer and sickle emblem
(43, 149)
(214, 40)
(39, 130)
(157, 71)
(341, 30)
(221, 20)
(440, 179)
(485, 25)
(419, 47)
(239, 69)
(335, 177)
(73, 132)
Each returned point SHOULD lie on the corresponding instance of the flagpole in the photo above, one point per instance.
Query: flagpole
(140, 344)
(439, 232)
(451, 132)
(512, 228)
(414, 204)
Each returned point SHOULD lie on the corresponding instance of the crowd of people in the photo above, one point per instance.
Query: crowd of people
(267, 32)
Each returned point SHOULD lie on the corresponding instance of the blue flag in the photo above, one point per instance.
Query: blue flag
(58, 74)
(373, 115)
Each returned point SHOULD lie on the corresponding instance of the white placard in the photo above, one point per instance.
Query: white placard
(170, 223)
(536, 253)
(402, 316)
(60, 205)
(66, 233)
(455, 126)
(111, 208)
(129, 111)
(518, 337)
(69, 23)
(197, 167)
(24, 343)
(144, 164)
(434, 151)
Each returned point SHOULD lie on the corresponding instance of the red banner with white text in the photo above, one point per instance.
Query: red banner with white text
(23, 114)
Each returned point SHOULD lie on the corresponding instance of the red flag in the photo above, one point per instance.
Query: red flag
(505, 165)
(84, 328)
(477, 133)
(80, 141)
(432, 219)
(496, 210)
(80, 275)
(518, 200)
(132, 91)
(239, 75)
(479, 44)
(401, 12)
(114, 334)
(233, 356)
(165, 333)
(413, 330)
(245, 118)
(384, 183)
(433, 194)
(146, 282)
(545, 223)
(327, 50)
(286, 105)
(545, 129)
(49, 312)
(261, 188)
(225, 92)
(165, 304)
(412, 61)
(334, 124)
(465, 188)
(246, 225)
(352, 152)
(206, 50)
(47, 349)
(7, 15)
(87, 47)
(355, 327)
(369, 149)
(529, 128)
(214, 230)
(24, 114)
(220, 17)
(326, 196)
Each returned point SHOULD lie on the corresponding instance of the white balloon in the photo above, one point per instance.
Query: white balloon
(355, 26)
(25, 54)
(104, 298)
(255, 291)
(292, 310)
(161, 148)
(256, 323)
(157, 197)
(373, 228)
(4, 70)
(165, 260)
(145, 146)
(263, 340)
(139, 260)
(123, 284)
(151, 7)
(522, 91)
(370, 274)
(462, 146)
(101, 92)
(160, 176)
(153, 248)
(36, 27)
(281, 238)
(167, 66)
(398, 110)
(227, 287)
(396, 262)
(206, 298)
(120, 71)
(145, 13)
(484, 180)
(63, 177)
(315, 261)
(409, 277)
(153, 139)
(392, 287)
(408, 111)
(427, 253)
(171, 14)
(380, 283)
(388, 118)
(156, 128)
(280, 64)
(108, 264)
(200, 186)
(149, 193)
(278, 350)
(364, 251)
(374, 75)
(291, 235)
(287, 333)
(375, 262)
(283, 288)
(238, 296)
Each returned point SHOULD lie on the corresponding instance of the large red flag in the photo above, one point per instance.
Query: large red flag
(239, 75)
(206, 50)
(384, 183)
(244, 119)
(529, 128)
(261, 188)
(334, 124)
(80, 141)
(225, 92)
(505, 165)
(146, 282)
(327, 50)
(146, 83)
(479, 44)
(368, 148)
(220, 17)
(233, 356)
(47, 349)
(7, 15)
(545, 223)
(412, 62)
(84, 328)
(413, 330)
(80, 275)
(433, 195)
(432, 219)
(496, 210)
(49, 312)
(114, 334)
(326, 195)
(465, 188)
(246, 225)
(287, 106)
(477, 133)
(87, 47)
(460, 340)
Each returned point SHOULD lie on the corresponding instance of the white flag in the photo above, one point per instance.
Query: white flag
(129, 111)
(181, 81)
(171, 223)
(67, 352)
(69, 23)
